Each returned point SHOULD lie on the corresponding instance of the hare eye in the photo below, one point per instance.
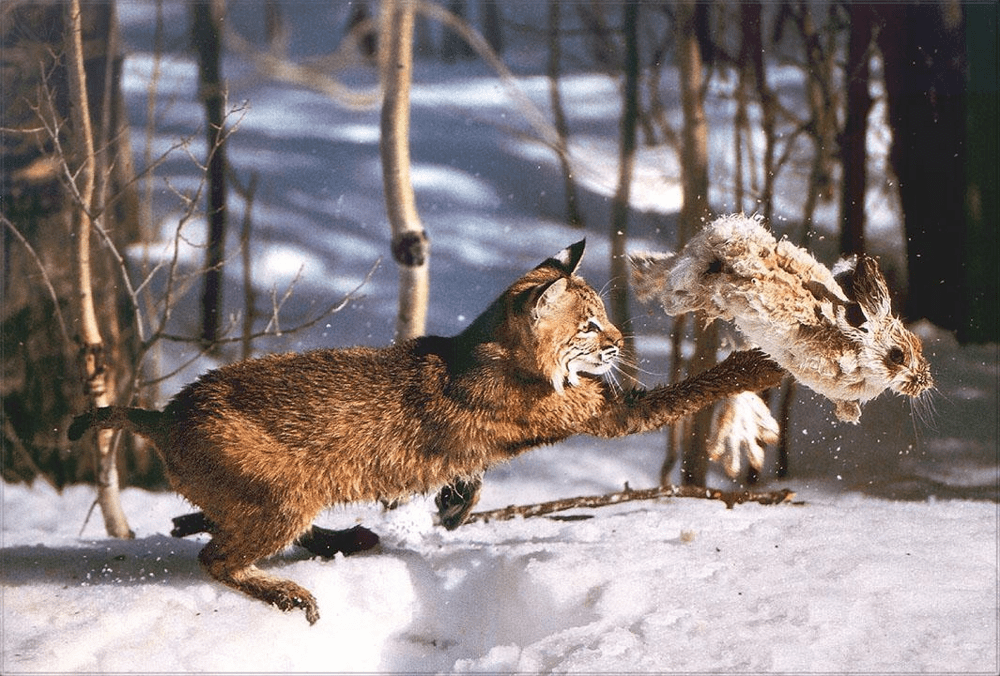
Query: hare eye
(896, 356)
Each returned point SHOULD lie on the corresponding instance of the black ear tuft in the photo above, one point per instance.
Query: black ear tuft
(567, 260)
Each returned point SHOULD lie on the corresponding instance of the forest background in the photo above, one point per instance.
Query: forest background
(791, 90)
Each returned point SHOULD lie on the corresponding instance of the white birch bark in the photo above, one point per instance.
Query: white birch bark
(410, 247)
(92, 359)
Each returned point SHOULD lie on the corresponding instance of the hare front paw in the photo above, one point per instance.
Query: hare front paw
(743, 424)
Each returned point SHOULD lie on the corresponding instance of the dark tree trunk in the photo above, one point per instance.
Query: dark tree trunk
(493, 25)
(924, 55)
(626, 160)
(853, 155)
(983, 244)
(206, 34)
(454, 48)
(573, 216)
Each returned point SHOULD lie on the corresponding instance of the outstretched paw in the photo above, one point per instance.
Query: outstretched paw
(756, 369)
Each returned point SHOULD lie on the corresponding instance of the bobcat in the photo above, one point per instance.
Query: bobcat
(263, 445)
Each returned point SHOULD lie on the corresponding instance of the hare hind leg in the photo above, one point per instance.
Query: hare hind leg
(230, 558)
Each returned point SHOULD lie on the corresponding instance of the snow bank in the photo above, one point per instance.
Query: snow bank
(840, 583)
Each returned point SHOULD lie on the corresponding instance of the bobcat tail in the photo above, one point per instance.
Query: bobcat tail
(143, 422)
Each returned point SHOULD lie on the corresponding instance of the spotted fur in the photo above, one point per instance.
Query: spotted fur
(262, 445)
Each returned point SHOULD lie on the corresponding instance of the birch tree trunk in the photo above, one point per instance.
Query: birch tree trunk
(93, 364)
(410, 246)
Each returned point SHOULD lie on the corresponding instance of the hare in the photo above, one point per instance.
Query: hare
(832, 330)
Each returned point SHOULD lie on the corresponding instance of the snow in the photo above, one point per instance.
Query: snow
(886, 561)
(843, 582)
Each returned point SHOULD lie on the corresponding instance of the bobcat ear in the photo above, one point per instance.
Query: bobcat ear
(549, 298)
(567, 260)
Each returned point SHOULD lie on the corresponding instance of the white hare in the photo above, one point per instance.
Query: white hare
(832, 330)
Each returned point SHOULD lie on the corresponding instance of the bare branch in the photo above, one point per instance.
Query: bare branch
(731, 498)
(330, 310)
(45, 276)
(315, 78)
(276, 305)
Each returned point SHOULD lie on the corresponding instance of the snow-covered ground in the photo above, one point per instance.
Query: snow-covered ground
(887, 561)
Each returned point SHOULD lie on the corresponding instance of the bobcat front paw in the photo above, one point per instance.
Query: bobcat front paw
(456, 500)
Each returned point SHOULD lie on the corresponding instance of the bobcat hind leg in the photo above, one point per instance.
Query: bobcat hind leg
(230, 558)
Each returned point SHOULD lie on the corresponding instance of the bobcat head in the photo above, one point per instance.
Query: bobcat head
(556, 323)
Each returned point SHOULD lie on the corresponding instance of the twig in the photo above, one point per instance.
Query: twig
(45, 276)
(276, 304)
(249, 300)
(731, 498)
(330, 310)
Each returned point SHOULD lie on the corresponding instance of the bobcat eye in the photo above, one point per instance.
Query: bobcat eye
(896, 356)
(592, 326)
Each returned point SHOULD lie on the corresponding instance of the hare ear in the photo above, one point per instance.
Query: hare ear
(567, 260)
(864, 284)
(844, 273)
(550, 298)
(865, 287)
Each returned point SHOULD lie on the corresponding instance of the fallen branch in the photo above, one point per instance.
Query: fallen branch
(628, 495)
